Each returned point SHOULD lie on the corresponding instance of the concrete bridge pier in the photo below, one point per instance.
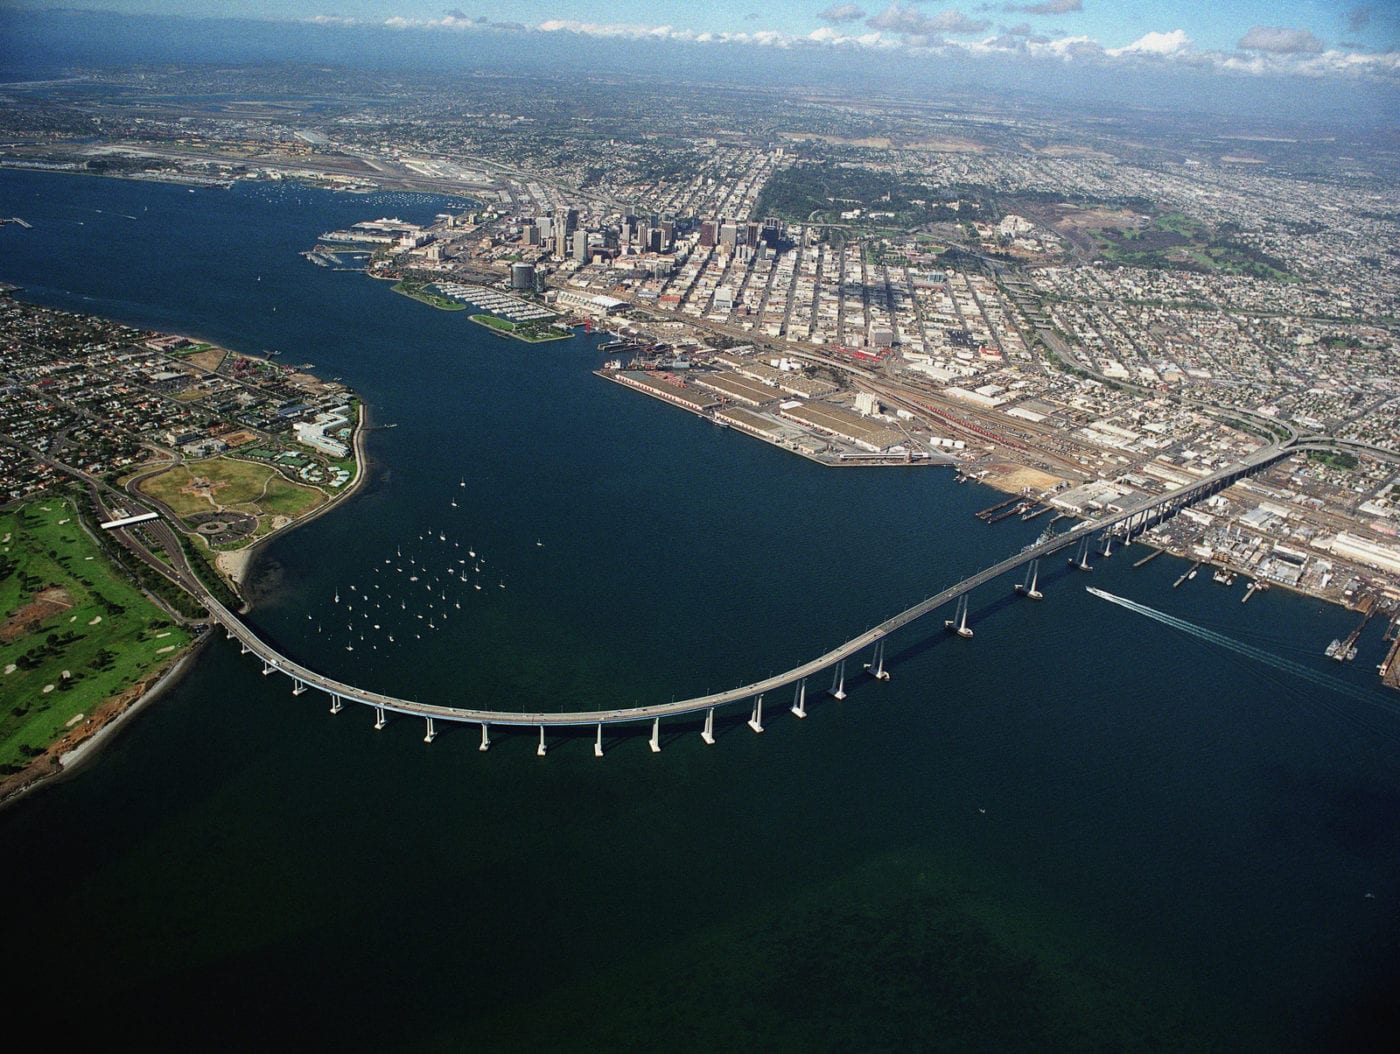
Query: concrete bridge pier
(1107, 549)
(1081, 558)
(838, 681)
(380, 722)
(876, 666)
(485, 738)
(598, 742)
(958, 623)
(708, 735)
(539, 750)
(1027, 588)
(335, 703)
(431, 735)
(299, 686)
(799, 698)
(243, 649)
(756, 721)
(268, 668)
(655, 741)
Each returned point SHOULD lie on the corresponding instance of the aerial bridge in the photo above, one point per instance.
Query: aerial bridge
(1086, 538)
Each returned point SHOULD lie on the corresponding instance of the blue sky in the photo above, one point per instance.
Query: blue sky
(1312, 37)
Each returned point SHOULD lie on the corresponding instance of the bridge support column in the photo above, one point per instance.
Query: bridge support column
(243, 649)
(300, 686)
(838, 681)
(431, 734)
(230, 634)
(335, 703)
(958, 623)
(539, 750)
(799, 698)
(1107, 549)
(1081, 558)
(268, 668)
(756, 721)
(598, 742)
(1027, 588)
(655, 741)
(379, 721)
(708, 735)
(876, 666)
(485, 738)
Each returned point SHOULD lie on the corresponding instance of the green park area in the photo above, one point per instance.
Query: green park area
(1174, 240)
(74, 631)
(419, 291)
(530, 332)
(227, 484)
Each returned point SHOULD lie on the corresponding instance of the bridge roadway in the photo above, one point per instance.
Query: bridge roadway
(274, 662)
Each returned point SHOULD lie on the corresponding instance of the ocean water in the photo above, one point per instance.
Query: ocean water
(1085, 828)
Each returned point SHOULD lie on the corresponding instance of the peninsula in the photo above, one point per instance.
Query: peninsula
(141, 472)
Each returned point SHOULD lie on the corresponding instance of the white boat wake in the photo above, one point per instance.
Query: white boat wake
(1294, 670)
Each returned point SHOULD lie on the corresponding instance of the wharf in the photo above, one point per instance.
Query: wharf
(1390, 667)
(1188, 573)
(1150, 556)
(1007, 513)
(992, 509)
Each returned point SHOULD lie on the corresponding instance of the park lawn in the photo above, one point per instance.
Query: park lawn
(285, 498)
(131, 638)
(532, 333)
(420, 293)
(243, 484)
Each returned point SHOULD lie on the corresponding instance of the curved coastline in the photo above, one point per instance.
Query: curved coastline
(63, 765)
(247, 558)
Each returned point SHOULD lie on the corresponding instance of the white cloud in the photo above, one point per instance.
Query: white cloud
(1281, 40)
(1155, 43)
(901, 28)
(841, 13)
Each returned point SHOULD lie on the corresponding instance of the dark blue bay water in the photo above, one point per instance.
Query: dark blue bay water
(1082, 829)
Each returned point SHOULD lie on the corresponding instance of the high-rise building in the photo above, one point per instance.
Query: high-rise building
(522, 276)
(709, 231)
(581, 246)
(561, 242)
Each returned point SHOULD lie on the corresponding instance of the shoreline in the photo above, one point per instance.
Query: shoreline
(59, 765)
(55, 765)
(243, 561)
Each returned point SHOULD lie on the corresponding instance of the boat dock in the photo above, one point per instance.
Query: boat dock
(993, 509)
(1015, 510)
(1150, 556)
(1032, 512)
(1390, 666)
(1188, 573)
(1345, 649)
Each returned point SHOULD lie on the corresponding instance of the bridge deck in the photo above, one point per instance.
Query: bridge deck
(697, 704)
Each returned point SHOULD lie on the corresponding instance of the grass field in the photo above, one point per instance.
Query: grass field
(530, 332)
(421, 294)
(95, 625)
(242, 486)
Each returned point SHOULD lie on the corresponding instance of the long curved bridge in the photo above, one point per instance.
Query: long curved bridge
(1125, 524)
